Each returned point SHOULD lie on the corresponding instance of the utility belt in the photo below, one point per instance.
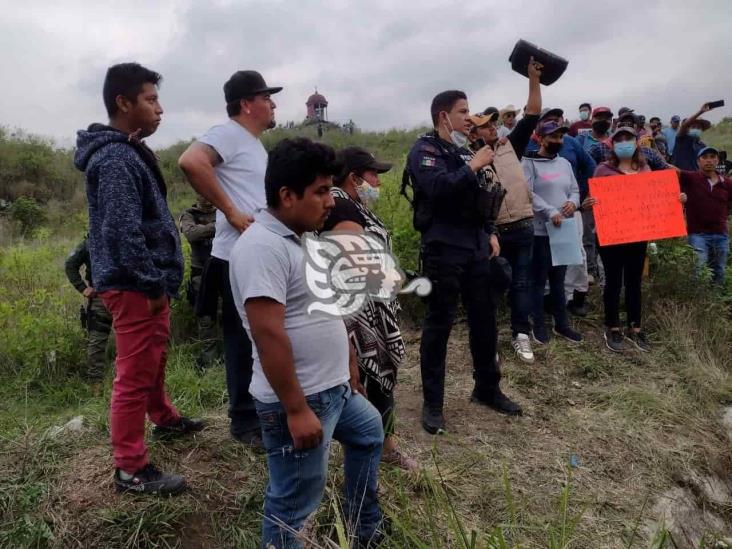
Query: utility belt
(516, 225)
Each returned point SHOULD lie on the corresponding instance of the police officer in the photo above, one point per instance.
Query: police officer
(455, 202)
(95, 317)
(198, 225)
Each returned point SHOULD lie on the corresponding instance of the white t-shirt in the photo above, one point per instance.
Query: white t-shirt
(268, 261)
(241, 175)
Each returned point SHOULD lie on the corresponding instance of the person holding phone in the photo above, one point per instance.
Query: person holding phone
(688, 139)
(555, 197)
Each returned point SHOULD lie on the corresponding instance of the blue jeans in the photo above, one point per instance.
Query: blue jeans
(297, 477)
(542, 270)
(711, 251)
(516, 247)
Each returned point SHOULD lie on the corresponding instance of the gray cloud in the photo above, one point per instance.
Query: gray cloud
(377, 62)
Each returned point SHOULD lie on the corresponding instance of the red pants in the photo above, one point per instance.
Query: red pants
(139, 384)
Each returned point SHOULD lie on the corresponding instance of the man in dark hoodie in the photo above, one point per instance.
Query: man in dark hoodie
(137, 263)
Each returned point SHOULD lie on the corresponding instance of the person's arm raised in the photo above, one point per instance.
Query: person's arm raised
(684, 128)
(198, 163)
(267, 323)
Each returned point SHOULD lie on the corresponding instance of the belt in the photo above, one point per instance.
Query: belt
(516, 225)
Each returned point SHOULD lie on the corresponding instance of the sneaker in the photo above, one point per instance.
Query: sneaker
(614, 340)
(399, 459)
(540, 335)
(568, 333)
(433, 421)
(498, 402)
(639, 340)
(522, 345)
(183, 426)
(150, 480)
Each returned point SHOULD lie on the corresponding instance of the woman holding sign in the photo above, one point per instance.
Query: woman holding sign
(555, 199)
(623, 262)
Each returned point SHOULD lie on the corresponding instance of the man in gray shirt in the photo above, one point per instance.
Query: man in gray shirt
(305, 379)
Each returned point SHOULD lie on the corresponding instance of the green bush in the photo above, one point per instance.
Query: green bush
(27, 214)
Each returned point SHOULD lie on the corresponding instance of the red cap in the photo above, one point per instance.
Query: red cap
(602, 110)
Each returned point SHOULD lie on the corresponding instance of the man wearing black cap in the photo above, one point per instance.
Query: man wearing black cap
(600, 152)
(227, 166)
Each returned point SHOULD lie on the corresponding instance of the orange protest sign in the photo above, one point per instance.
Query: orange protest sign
(638, 207)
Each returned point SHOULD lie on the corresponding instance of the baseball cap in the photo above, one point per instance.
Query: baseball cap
(705, 124)
(707, 150)
(547, 128)
(479, 120)
(245, 84)
(623, 129)
(676, 118)
(550, 112)
(624, 111)
(356, 159)
(602, 110)
(490, 110)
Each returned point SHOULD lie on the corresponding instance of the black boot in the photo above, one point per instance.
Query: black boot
(497, 401)
(432, 420)
(577, 305)
(150, 480)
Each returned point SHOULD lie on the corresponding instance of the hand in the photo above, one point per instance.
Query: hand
(502, 141)
(305, 428)
(482, 158)
(156, 306)
(535, 68)
(355, 379)
(704, 108)
(557, 220)
(568, 209)
(89, 292)
(588, 202)
(495, 246)
(240, 221)
(682, 198)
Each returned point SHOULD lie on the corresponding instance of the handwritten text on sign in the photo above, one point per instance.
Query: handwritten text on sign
(634, 208)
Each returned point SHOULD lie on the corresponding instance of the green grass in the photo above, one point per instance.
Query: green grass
(635, 424)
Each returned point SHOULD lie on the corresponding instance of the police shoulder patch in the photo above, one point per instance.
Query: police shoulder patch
(428, 161)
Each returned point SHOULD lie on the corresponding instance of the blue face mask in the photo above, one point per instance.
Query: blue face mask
(584, 115)
(624, 149)
(695, 132)
(367, 193)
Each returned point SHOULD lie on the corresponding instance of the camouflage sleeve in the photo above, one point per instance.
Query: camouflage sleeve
(194, 231)
(78, 257)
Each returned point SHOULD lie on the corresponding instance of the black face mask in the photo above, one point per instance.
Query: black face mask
(552, 147)
(600, 127)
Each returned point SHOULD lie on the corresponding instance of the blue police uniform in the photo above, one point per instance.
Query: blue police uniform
(455, 257)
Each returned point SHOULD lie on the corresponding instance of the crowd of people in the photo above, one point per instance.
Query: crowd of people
(484, 189)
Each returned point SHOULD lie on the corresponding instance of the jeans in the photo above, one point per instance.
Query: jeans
(139, 383)
(711, 251)
(541, 270)
(623, 265)
(297, 477)
(238, 358)
(517, 247)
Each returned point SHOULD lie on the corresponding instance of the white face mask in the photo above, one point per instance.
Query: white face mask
(367, 193)
(458, 139)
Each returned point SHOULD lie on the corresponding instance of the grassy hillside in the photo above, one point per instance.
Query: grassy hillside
(613, 451)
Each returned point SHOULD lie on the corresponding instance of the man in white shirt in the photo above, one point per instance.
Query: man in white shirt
(227, 167)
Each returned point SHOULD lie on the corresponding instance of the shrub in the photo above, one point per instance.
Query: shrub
(28, 214)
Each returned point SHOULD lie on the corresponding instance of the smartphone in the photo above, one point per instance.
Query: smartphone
(715, 104)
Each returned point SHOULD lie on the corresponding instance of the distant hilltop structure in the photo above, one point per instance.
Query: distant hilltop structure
(317, 106)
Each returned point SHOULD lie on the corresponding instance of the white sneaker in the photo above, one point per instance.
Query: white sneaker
(522, 346)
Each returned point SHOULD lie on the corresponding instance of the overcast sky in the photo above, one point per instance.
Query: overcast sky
(377, 62)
